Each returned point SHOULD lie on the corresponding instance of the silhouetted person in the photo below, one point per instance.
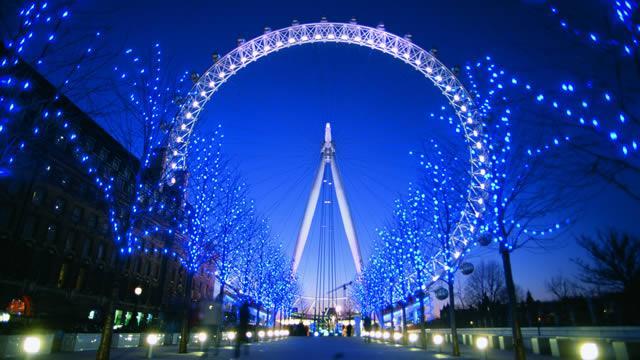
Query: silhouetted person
(349, 330)
(243, 327)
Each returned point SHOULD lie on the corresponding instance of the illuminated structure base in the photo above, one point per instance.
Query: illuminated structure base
(328, 158)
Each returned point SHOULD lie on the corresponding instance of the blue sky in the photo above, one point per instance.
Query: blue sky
(273, 112)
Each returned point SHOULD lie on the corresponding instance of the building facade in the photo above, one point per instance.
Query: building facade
(58, 259)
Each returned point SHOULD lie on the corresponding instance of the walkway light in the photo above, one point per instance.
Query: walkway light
(413, 338)
(202, 336)
(261, 334)
(249, 334)
(31, 345)
(315, 333)
(482, 343)
(152, 340)
(286, 332)
(397, 336)
(378, 335)
(438, 340)
(137, 291)
(589, 351)
(386, 335)
(270, 333)
(231, 335)
(365, 333)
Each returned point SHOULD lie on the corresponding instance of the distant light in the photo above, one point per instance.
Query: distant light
(413, 338)
(137, 291)
(270, 333)
(438, 339)
(315, 333)
(202, 337)
(31, 345)
(231, 335)
(386, 335)
(152, 339)
(589, 351)
(482, 343)
(261, 334)
(397, 336)
(249, 334)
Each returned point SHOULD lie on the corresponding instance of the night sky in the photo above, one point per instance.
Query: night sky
(273, 112)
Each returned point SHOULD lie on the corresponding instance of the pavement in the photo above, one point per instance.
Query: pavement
(305, 348)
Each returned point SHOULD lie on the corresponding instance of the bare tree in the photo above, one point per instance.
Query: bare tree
(613, 261)
(485, 284)
(561, 287)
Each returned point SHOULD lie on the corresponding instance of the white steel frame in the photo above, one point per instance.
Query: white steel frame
(374, 38)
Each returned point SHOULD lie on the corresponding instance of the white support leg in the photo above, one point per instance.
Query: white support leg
(308, 217)
(346, 217)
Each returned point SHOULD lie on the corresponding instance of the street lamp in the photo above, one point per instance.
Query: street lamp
(202, 337)
(438, 340)
(152, 340)
(481, 344)
(137, 291)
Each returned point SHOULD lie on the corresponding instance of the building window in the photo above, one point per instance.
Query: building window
(29, 227)
(70, 241)
(65, 182)
(115, 164)
(51, 233)
(85, 247)
(104, 227)
(100, 252)
(37, 197)
(92, 221)
(90, 143)
(104, 154)
(58, 206)
(76, 214)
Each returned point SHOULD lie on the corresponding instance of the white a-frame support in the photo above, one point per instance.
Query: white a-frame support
(328, 157)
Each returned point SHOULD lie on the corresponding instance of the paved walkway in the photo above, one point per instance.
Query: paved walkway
(302, 348)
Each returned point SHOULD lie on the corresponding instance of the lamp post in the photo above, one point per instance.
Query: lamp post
(152, 340)
(438, 340)
(31, 346)
(482, 343)
(137, 291)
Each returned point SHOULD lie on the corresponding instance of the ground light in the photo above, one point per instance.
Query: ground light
(413, 338)
(31, 345)
(482, 343)
(202, 337)
(152, 340)
(231, 336)
(438, 340)
(589, 351)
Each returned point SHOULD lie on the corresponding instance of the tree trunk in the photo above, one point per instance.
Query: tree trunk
(518, 344)
(455, 347)
(423, 331)
(404, 324)
(104, 348)
(186, 315)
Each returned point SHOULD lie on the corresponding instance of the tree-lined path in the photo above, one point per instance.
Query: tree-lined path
(307, 348)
